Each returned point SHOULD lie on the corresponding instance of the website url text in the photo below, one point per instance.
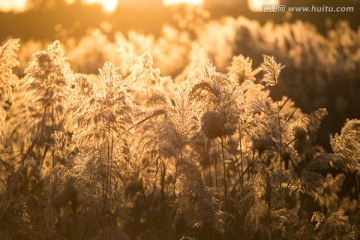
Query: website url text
(275, 8)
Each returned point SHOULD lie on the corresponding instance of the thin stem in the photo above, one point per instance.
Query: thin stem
(28, 151)
(215, 165)
(157, 113)
(280, 130)
(234, 186)
(241, 156)
(224, 169)
(162, 192)
(209, 166)
(175, 175)
(53, 127)
(102, 180)
(236, 162)
(251, 164)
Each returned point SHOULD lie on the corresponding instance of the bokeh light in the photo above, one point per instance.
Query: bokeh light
(192, 2)
(12, 5)
(108, 5)
(256, 5)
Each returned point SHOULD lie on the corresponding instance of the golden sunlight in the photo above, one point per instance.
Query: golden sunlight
(256, 5)
(108, 5)
(12, 5)
(192, 2)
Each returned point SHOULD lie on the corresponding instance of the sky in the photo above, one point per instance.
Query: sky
(110, 5)
(16, 5)
(168, 2)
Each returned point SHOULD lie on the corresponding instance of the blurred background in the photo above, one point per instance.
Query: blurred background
(38, 19)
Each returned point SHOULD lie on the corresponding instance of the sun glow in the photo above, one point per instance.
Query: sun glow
(192, 2)
(108, 5)
(256, 5)
(12, 5)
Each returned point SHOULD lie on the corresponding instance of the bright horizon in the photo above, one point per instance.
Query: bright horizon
(12, 5)
(192, 2)
(20, 5)
(108, 5)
